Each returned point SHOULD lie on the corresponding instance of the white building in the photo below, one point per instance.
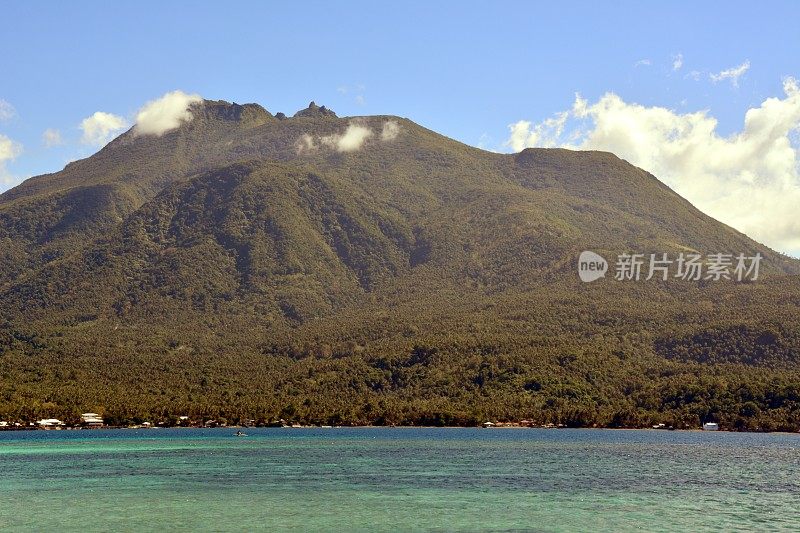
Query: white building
(91, 419)
(50, 423)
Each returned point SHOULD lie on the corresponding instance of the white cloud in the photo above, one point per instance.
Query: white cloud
(677, 62)
(351, 140)
(356, 90)
(101, 127)
(546, 134)
(9, 150)
(642, 63)
(7, 111)
(390, 131)
(305, 144)
(52, 137)
(732, 74)
(749, 180)
(166, 113)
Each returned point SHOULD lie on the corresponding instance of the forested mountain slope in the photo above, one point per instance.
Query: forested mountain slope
(368, 270)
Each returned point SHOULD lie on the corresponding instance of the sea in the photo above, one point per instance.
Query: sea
(398, 479)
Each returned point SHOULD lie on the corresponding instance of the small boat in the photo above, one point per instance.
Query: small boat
(240, 434)
(710, 426)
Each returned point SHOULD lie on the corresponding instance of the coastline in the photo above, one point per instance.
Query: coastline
(399, 427)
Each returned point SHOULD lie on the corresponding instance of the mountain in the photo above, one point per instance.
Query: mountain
(247, 265)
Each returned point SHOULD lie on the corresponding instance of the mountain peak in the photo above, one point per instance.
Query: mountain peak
(313, 110)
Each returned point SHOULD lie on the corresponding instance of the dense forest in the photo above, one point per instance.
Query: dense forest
(229, 271)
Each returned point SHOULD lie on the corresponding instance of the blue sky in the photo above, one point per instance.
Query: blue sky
(466, 69)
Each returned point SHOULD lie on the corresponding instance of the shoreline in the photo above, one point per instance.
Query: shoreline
(502, 427)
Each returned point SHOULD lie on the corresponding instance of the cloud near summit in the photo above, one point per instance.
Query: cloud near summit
(101, 127)
(166, 113)
(750, 180)
(351, 140)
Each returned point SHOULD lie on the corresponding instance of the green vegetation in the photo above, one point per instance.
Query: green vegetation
(215, 272)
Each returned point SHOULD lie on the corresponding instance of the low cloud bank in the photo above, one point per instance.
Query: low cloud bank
(750, 180)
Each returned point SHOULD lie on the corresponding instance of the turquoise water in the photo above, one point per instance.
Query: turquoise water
(423, 479)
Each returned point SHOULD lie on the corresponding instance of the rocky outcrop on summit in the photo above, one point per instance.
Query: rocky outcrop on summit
(222, 110)
(313, 110)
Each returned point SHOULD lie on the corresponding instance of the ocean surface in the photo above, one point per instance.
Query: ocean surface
(398, 479)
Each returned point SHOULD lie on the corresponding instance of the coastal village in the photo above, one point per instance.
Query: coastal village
(95, 421)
